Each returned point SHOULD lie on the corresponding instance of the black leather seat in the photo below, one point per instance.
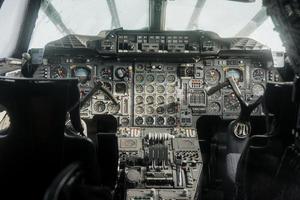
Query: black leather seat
(35, 149)
(250, 172)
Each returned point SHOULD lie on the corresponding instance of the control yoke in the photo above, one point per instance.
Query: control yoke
(240, 127)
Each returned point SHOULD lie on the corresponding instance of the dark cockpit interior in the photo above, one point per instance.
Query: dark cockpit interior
(142, 104)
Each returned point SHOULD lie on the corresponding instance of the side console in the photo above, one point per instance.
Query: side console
(160, 163)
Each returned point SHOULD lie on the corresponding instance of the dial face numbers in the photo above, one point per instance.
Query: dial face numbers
(150, 78)
(160, 121)
(150, 99)
(160, 89)
(171, 121)
(171, 89)
(139, 110)
(231, 104)
(171, 78)
(213, 107)
(150, 89)
(236, 74)
(160, 78)
(149, 120)
(212, 76)
(258, 74)
(139, 121)
(258, 90)
(99, 106)
(160, 100)
(139, 78)
(139, 89)
(150, 110)
(113, 108)
(139, 100)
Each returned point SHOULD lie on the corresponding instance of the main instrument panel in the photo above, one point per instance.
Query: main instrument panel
(159, 82)
(158, 94)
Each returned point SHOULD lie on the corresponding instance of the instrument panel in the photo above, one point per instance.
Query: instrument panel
(159, 94)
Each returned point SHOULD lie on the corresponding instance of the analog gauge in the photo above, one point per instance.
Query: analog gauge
(150, 89)
(150, 110)
(82, 73)
(121, 73)
(160, 78)
(139, 110)
(160, 89)
(231, 104)
(139, 100)
(258, 90)
(124, 121)
(216, 95)
(160, 100)
(258, 74)
(171, 89)
(99, 106)
(171, 78)
(139, 89)
(160, 121)
(160, 110)
(171, 121)
(212, 76)
(171, 109)
(140, 67)
(236, 74)
(113, 108)
(150, 99)
(59, 72)
(213, 107)
(139, 78)
(150, 78)
(149, 120)
(139, 121)
(171, 99)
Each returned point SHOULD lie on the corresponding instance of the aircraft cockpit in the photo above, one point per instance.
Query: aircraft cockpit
(149, 100)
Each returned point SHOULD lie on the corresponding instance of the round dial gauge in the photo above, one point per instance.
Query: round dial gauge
(171, 89)
(258, 74)
(150, 89)
(171, 121)
(160, 110)
(258, 90)
(160, 100)
(212, 76)
(139, 78)
(231, 103)
(171, 99)
(139, 89)
(150, 78)
(82, 73)
(236, 74)
(139, 100)
(139, 110)
(149, 120)
(160, 121)
(171, 109)
(113, 108)
(213, 107)
(99, 106)
(171, 78)
(160, 78)
(124, 121)
(160, 89)
(139, 121)
(150, 99)
(150, 110)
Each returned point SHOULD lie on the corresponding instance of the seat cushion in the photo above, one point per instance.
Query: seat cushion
(232, 160)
